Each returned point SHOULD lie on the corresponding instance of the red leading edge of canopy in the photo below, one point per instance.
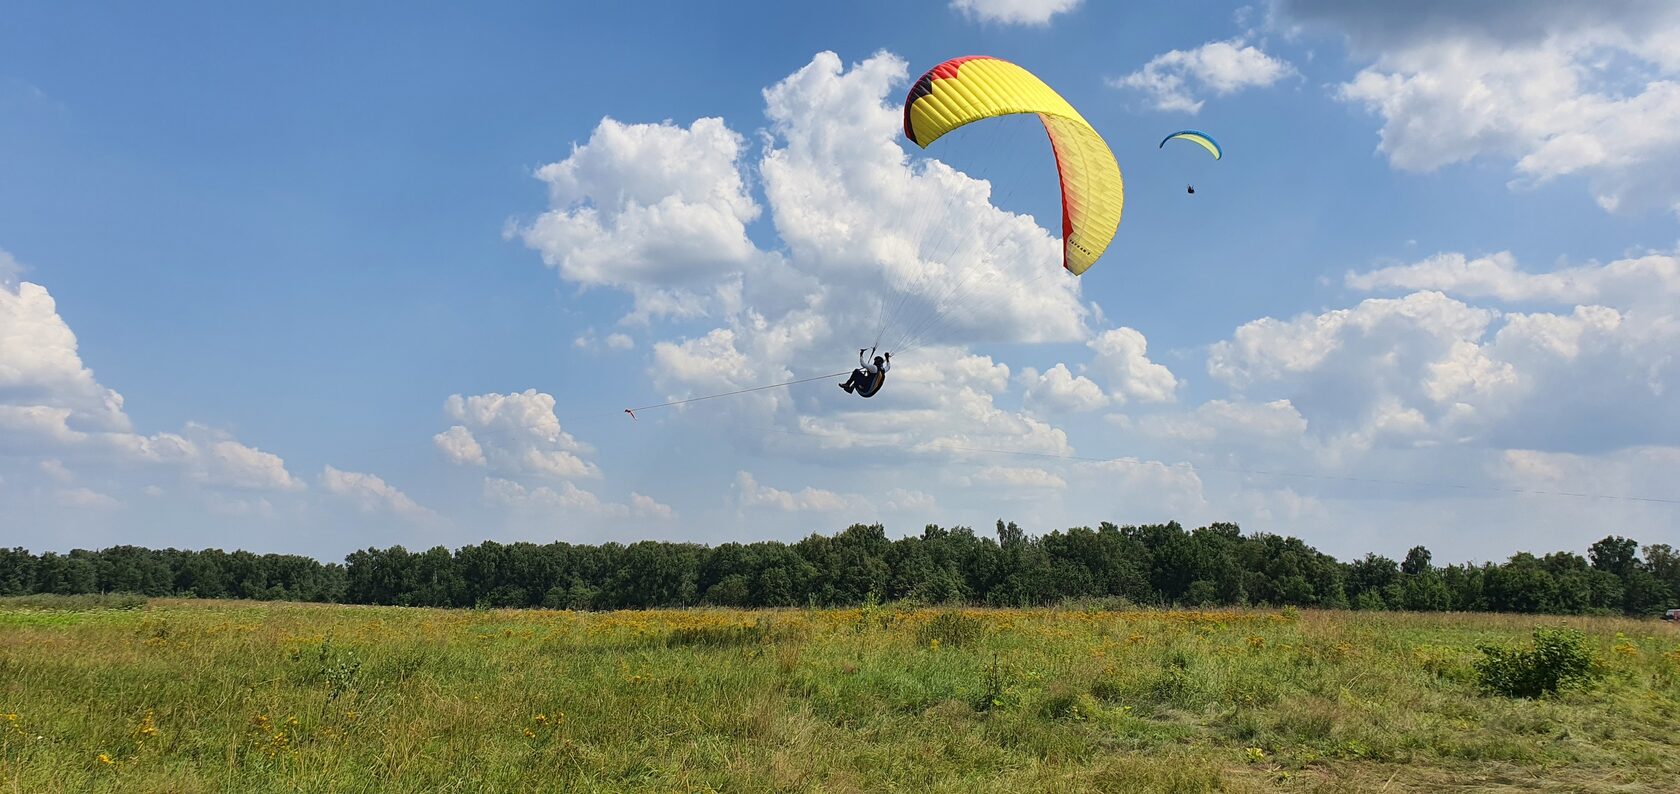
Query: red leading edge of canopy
(923, 87)
(1061, 180)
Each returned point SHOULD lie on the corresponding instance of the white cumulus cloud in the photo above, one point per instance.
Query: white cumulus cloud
(1431, 369)
(87, 499)
(40, 367)
(1017, 477)
(1226, 420)
(1058, 389)
(232, 464)
(514, 433)
(566, 498)
(52, 406)
(1651, 277)
(753, 494)
(11, 270)
(1122, 359)
(1554, 88)
(370, 493)
(459, 446)
(1014, 12)
(648, 507)
(750, 493)
(1173, 79)
(853, 211)
(657, 210)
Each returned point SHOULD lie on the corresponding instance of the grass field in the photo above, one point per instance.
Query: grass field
(237, 696)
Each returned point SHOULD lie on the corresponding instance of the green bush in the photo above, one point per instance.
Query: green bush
(718, 636)
(994, 687)
(1559, 657)
(951, 629)
(1062, 702)
(338, 668)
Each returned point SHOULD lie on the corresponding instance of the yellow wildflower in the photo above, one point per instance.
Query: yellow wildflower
(147, 726)
(105, 759)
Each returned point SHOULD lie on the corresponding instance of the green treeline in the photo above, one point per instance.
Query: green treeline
(1151, 564)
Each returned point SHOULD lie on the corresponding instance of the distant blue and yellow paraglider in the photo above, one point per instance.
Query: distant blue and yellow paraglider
(1199, 138)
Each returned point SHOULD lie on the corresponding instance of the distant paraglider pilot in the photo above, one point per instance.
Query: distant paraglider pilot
(1199, 138)
(868, 377)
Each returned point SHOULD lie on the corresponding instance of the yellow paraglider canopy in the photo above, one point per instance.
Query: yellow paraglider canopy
(964, 90)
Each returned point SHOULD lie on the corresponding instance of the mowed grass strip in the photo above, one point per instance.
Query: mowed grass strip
(238, 696)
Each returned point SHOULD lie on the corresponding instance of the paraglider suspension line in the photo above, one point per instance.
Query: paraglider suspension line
(632, 411)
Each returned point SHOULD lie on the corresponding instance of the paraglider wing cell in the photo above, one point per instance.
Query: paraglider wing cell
(965, 90)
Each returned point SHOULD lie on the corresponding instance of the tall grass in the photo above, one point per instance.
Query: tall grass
(73, 603)
(204, 696)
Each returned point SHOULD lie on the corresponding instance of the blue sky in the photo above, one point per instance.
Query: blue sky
(388, 275)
